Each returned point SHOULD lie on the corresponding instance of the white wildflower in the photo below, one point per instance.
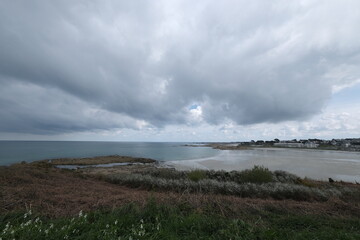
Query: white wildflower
(27, 223)
(6, 228)
(116, 222)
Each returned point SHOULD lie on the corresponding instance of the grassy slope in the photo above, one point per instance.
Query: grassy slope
(58, 195)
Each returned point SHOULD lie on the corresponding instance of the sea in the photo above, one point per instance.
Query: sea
(17, 151)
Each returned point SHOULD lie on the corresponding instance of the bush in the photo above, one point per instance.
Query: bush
(258, 174)
(196, 175)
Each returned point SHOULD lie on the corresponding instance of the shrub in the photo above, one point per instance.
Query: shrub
(258, 174)
(196, 175)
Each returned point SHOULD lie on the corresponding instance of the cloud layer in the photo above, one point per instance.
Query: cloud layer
(70, 66)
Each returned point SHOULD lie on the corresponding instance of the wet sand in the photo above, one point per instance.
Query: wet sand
(315, 164)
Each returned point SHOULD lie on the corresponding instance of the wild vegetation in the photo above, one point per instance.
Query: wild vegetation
(258, 182)
(154, 221)
(38, 201)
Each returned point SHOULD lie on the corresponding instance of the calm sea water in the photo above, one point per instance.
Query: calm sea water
(17, 151)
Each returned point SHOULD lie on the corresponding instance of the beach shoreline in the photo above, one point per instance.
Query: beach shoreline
(311, 163)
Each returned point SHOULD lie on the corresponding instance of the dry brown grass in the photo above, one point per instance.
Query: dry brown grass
(55, 192)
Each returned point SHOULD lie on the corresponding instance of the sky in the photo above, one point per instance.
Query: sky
(172, 70)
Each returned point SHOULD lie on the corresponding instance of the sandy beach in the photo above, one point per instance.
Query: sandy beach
(315, 164)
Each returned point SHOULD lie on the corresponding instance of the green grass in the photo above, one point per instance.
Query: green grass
(156, 221)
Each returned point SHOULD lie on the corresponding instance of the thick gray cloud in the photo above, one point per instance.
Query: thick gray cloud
(28, 108)
(81, 65)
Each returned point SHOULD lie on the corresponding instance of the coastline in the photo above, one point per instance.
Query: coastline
(311, 163)
(56, 195)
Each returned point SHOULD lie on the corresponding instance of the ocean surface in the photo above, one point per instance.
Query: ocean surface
(17, 151)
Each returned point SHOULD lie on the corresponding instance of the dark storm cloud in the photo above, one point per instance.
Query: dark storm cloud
(75, 66)
(32, 109)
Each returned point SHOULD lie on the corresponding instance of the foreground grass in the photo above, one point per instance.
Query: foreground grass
(181, 221)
